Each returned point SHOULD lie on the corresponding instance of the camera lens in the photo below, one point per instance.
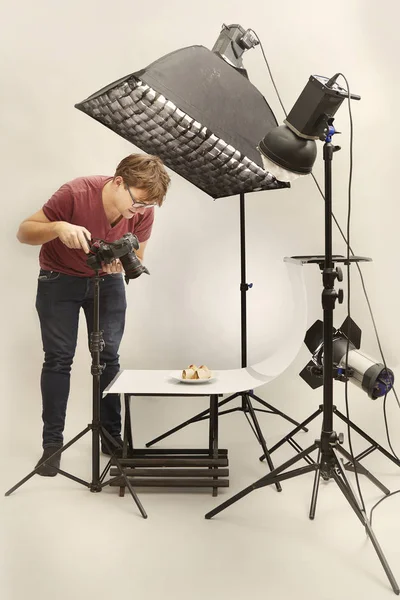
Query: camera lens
(132, 266)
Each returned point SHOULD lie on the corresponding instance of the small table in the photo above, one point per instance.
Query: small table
(205, 467)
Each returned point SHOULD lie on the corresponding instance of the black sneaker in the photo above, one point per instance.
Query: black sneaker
(117, 451)
(49, 469)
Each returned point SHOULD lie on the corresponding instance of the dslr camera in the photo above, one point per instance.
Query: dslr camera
(106, 252)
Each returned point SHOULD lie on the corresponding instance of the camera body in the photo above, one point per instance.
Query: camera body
(106, 252)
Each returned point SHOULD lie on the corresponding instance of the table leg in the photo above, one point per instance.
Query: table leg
(128, 442)
(213, 437)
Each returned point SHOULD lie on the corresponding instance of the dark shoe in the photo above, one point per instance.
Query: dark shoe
(117, 451)
(49, 469)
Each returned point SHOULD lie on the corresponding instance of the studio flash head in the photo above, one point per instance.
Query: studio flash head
(372, 377)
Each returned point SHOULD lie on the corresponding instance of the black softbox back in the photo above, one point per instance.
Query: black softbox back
(200, 115)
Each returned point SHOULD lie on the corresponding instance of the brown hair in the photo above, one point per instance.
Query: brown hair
(146, 172)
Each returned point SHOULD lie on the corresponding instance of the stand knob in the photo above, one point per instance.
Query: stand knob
(340, 438)
(340, 296)
(339, 274)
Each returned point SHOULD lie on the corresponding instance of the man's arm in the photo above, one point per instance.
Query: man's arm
(140, 251)
(37, 230)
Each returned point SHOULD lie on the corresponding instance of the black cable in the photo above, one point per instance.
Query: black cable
(271, 76)
(387, 428)
(381, 500)
(394, 454)
(349, 292)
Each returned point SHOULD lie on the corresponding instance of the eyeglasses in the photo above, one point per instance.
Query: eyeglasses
(136, 204)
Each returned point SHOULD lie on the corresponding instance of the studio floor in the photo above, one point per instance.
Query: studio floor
(62, 542)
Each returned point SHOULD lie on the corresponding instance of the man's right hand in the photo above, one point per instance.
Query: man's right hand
(74, 236)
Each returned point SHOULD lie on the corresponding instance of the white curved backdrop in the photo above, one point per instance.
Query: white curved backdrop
(293, 316)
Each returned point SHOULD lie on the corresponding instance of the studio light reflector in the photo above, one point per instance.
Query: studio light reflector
(200, 115)
(370, 376)
(289, 151)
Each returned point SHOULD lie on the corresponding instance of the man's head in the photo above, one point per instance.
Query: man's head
(140, 181)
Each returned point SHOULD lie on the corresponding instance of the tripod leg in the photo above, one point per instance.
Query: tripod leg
(369, 439)
(195, 419)
(213, 439)
(260, 436)
(275, 476)
(59, 451)
(315, 489)
(345, 487)
(128, 423)
(276, 410)
(293, 432)
(106, 437)
(361, 469)
(128, 441)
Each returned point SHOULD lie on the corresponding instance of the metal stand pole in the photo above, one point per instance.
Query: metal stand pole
(328, 465)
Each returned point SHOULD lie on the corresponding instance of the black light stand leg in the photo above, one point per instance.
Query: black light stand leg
(314, 496)
(58, 452)
(329, 464)
(274, 477)
(353, 465)
(374, 444)
(274, 410)
(293, 432)
(260, 436)
(106, 439)
(343, 483)
(205, 414)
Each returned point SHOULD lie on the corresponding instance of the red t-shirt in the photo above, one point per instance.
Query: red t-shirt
(80, 202)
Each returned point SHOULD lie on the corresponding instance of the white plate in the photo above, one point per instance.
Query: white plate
(177, 375)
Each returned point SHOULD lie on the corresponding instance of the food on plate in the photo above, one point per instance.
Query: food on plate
(188, 373)
(194, 372)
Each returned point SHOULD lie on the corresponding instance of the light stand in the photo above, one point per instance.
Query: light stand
(97, 482)
(329, 464)
(246, 396)
(184, 108)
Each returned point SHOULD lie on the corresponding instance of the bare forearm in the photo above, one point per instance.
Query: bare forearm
(35, 233)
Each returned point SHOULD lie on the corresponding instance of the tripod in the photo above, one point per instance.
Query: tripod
(98, 431)
(245, 406)
(373, 443)
(328, 464)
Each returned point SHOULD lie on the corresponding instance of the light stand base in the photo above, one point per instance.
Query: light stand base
(95, 485)
(328, 466)
(349, 466)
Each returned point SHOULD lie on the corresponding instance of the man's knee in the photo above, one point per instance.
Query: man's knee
(56, 362)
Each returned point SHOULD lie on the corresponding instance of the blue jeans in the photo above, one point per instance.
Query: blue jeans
(58, 302)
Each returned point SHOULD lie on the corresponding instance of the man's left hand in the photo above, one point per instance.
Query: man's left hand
(114, 267)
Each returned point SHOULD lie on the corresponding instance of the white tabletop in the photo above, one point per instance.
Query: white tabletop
(155, 382)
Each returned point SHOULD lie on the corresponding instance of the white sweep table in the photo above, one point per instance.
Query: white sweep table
(179, 467)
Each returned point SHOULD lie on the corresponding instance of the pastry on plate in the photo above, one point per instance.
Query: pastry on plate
(194, 372)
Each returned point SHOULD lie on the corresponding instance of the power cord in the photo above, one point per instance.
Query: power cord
(346, 385)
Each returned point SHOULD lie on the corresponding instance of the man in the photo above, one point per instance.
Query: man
(84, 209)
